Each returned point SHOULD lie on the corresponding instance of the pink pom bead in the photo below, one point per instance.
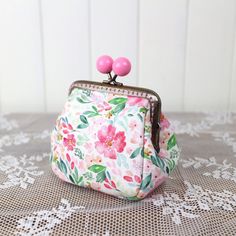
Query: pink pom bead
(121, 66)
(104, 64)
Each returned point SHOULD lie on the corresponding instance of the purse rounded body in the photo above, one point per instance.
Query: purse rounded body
(103, 141)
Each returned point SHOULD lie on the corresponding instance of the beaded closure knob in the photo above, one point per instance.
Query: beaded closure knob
(121, 67)
(104, 64)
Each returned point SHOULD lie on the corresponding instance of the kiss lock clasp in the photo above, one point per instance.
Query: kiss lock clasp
(120, 66)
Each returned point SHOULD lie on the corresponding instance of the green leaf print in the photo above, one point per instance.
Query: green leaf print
(83, 119)
(135, 153)
(108, 175)
(79, 153)
(80, 179)
(167, 170)
(174, 154)
(154, 160)
(146, 182)
(63, 167)
(90, 113)
(82, 101)
(95, 109)
(82, 126)
(147, 128)
(142, 153)
(118, 108)
(77, 178)
(135, 198)
(76, 171)
(87, 92)
(101, 176)
(85, 97)
(140, 117)
(119, 100)
(158, 162)
(171, 165)
(97, 168)
(81, 139)
(71, 179)
(143, 110)
(51, 157)
(172, 142)
(58, 164)
(88, 176)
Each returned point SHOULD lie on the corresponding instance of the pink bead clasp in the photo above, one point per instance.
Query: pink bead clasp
(121, 67)
(104, 64)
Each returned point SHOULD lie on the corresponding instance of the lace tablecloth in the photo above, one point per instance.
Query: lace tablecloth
(198, 199)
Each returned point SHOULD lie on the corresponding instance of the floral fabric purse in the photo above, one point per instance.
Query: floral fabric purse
(113, 138)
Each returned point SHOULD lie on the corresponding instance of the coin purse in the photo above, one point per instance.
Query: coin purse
(113, 138)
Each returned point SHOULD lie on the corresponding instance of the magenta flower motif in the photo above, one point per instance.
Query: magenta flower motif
(136, 101)
(165, 124)
(110, 142)
(69, 142)
(103, 106)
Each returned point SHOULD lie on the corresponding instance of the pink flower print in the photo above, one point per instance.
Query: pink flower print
(81, 165)
(104, 106)
(137, 179)
(128, 178)
(91, 159)
(159, 179)
(136, 101)
(129, 150)
(69, 142)
(109, 184)
(97, 97)
(164, 139)
(145, 140)
(137, 138)
(72, 165)
(113, 167)
(164, 122)
(148, 164)
(116, 171)
(95, 186)
(157, 173)
(68, 157)
(113, 184)
(141, 194)
(101, 104)
(88, 147)
(133, 124)
(99, 121)
(137, 165)
(66, 128)
(110, 141)
(163, 153)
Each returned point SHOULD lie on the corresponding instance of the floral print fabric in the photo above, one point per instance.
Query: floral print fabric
(103, 141)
